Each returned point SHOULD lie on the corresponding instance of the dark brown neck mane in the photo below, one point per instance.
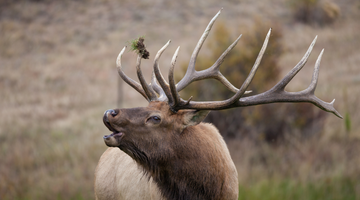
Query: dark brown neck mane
(186, 171)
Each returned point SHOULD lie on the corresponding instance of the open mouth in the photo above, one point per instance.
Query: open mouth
(114, 134)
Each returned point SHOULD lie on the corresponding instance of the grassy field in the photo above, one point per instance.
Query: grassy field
(57, 76)
(331, 189)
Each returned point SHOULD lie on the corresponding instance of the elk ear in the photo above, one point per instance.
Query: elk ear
(194, 117)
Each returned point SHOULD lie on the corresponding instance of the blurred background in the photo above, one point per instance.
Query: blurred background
(58, 76)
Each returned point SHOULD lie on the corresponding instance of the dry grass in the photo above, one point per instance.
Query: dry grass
(57, 76)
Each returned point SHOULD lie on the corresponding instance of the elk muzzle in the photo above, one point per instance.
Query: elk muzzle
(112, 140)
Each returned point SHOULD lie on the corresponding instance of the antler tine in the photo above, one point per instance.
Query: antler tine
(147, 89)
(283, 83)
(164, 85)
(186, 80)
(157, 88)
(127, 79)
(174, 92)
(315, 76)
(251, 75)
(217, 64)
(311, 90)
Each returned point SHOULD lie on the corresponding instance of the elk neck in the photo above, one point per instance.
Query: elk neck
(193, 166)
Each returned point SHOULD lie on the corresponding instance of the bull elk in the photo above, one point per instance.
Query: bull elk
(164, 151)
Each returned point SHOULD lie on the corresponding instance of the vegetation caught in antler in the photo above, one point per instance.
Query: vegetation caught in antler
(139, 47)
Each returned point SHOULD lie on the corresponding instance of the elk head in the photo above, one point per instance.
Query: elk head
(148, 130)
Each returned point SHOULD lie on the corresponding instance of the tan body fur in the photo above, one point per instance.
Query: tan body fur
(119, 177)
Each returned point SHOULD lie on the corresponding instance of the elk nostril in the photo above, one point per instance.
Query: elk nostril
(113, 113)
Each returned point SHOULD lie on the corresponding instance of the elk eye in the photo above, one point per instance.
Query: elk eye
(154, 119)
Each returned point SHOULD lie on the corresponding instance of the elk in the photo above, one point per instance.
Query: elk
(165, 151)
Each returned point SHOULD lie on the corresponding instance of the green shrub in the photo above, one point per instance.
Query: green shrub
(329, 189)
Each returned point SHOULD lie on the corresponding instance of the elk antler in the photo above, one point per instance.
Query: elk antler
(275, 94)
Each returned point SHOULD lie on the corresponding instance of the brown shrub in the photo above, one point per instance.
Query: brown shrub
(329, 12)
(315, 12)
